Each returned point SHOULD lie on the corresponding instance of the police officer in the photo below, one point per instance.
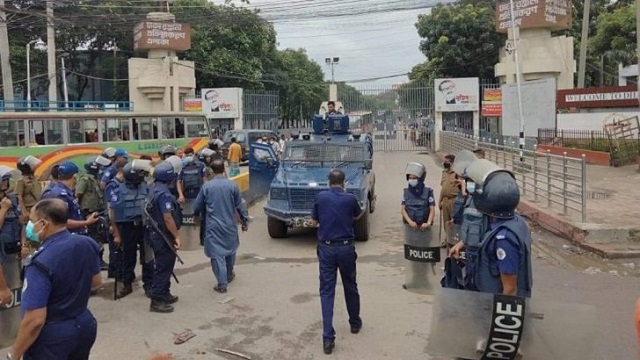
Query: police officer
(126, 203)
(64, 190)
(56, 323)
(418, 210)
(91, 199)
(10, 232)
(448, 193)
(166, 152)
(28, 188)
(163, 228)
(53, 177)
(335, 211)
(192, 176)
(120, 157)
(503, 264)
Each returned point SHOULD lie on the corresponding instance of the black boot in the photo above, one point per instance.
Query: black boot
(126, 290)
(160, 307)
(169, 299)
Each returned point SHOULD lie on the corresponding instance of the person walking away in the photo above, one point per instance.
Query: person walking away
(59, 277)
(233, 157)
(221, 201)
(163, 207)
(10, 234)
(125, 208)
(418, 209)
(448, 193)
(91, 199)
(334, 212)
(64, 189)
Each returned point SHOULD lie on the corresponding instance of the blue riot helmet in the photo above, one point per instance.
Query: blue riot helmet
(164, 172)
(416, 169)
(166, 151)
(496, 191)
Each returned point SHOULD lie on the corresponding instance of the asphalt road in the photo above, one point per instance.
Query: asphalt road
(272, 309)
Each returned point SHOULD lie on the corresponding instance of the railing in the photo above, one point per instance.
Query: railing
(558, 181)
(578, 139)
(44, 105)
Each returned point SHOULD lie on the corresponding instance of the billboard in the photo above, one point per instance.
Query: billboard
(530, 14)
(457, 94)
(192, 105)
(149, 35)
(223, 103)
(492, 102)
(538, 107)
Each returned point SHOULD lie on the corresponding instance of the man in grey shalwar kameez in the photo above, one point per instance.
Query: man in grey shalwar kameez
(221, 201)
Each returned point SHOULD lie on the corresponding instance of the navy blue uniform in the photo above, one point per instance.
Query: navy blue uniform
(127, 201)
(115, 263)
(192, 177)
(61, 191)
(58, 277)
(109, 173)
(162, 202)
(335, 210)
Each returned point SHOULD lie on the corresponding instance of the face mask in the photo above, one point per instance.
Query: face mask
(32, 235)
(471, 187)
(447, 165)
(187, 160)
(413, 182)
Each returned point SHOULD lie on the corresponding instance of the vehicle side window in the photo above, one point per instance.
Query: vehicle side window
(261, 155)
(115, 129)
(83, 131)
(9, 131)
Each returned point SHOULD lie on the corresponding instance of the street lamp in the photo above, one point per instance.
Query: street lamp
(332, 62)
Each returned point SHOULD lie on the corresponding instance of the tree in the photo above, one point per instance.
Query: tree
(616, 35)
(459, 41)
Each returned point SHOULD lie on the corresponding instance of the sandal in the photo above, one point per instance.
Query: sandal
(183, 337)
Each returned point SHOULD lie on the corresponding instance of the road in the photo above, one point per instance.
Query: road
(272, 309)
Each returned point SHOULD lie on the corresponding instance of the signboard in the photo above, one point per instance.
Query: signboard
(492, 102)
(224, 103)
(600, 97)
(149, 35)
(193, 105)
(459, 94)
(530, 14)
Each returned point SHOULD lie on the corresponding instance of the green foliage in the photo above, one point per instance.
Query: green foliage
(459, 41)
(616, 35)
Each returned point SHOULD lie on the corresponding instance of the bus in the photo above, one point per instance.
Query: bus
(57, 136)
(361, 120)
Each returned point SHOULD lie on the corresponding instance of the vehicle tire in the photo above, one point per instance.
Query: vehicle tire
(277, 229)
(362, 226)
(372, 202)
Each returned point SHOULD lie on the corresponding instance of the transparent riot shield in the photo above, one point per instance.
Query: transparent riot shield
(10, 314)
(422, 252)
(189, 231)
(475, 325)
(463, 159)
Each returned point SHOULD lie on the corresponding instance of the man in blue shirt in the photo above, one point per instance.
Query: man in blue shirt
(120, 159)
(335, 211)
(64, 189)
(59, 276)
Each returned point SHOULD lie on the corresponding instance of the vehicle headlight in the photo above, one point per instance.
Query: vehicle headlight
(278, 194)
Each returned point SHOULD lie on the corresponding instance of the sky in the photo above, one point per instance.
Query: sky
(372, 38)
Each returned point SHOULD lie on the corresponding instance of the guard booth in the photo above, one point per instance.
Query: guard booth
(10, 314)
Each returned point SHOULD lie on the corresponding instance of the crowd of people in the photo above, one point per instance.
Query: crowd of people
(131, 206)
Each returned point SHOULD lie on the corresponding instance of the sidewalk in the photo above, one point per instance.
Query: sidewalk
(612, 229)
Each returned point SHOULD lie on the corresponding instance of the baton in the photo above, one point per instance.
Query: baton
(440, 229)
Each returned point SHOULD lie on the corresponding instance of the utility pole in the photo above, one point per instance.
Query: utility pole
(51, 56)
(582, 67)
(516, 36)
(5, 63)
(64, 82)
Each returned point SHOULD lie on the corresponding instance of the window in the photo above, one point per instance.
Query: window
(195, 128)
(53, 132)
(83, 131)
(115, 130)
(261, 155)
(168, 128)
(11, 133)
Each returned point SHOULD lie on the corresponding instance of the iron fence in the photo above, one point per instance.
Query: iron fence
(260, 109)
(557, 181)
(579, 139)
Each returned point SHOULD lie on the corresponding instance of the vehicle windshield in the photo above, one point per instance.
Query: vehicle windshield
(239, 135)
(320, 154)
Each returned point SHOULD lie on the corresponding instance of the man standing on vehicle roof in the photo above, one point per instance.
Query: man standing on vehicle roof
(120, 157)
(64, 189)
(335, 211)
(331, 109)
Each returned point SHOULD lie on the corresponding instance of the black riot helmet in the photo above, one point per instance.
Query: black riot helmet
(166, 151)
(131, 175)
(91, 166)
(28, 164)
(496, 193)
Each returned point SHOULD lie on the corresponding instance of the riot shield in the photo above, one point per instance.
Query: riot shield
(102, 161)
(463, 159)
(189, 231)
(480, 170)
(10, 313)
(475, 325)
(422, 252)
(30, 160)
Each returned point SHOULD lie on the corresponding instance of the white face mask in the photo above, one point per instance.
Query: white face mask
(413, 182)
(471, 187)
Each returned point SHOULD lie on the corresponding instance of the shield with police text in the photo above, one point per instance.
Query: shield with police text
(475, 325)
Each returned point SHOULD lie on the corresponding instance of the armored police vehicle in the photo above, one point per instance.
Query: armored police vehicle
(294, 180)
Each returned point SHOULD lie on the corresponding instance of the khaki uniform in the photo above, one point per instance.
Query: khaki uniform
(448, 192)
(92, 196)
(30, 190)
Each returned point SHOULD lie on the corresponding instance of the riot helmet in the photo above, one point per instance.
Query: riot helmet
(6, 175)
(462, 161)
(28, 164)
(109, 153)
(176, 162)
(416, 169)
(131, 175)
(91, 166)
(496, 191)
(164, 172)
(166, 151)
(205, 155)
(142, 165)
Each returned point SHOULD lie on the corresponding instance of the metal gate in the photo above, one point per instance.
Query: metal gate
(624, 139)
(260, 108)
(399, 117)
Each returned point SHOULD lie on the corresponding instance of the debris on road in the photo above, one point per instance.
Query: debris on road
(183, 337)
(629, 265)
(234, 353)
(227, 300)
(592, 270)
(259, 257)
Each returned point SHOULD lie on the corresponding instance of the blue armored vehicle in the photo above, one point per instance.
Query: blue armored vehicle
(302, 171)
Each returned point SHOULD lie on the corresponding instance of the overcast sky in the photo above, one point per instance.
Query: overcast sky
(374, 38)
